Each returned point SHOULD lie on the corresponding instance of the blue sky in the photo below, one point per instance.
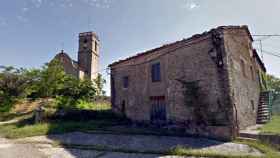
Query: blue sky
(33, 31)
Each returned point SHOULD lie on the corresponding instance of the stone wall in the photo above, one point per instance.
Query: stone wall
(67, 64)
(244, 82)
(184, 63)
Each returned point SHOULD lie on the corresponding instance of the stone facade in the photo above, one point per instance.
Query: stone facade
(202, 86)
(88, 57)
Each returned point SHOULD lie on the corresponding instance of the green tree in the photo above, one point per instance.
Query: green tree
(51, 79)
(99, 82)
(12, 86)
(273, 84)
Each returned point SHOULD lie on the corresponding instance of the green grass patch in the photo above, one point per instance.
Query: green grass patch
(20, 130)
(181, 151)
(273, 127)
(99, 105)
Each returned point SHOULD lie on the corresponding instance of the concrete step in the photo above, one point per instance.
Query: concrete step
(263, 117)
(263, 108)
(262, 121)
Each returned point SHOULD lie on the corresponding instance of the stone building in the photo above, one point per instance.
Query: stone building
(207, 84)
(88, 57)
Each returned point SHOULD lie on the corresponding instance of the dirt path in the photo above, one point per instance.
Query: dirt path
(9, 149)
(8, 122)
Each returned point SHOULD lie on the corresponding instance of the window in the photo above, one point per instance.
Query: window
(95, 46)
(242, 63)
(253, 105)
(252, 73)
(125, 82)
(156, 72)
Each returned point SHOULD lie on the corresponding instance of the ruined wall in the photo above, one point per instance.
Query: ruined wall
(190, 63)
(244, 82)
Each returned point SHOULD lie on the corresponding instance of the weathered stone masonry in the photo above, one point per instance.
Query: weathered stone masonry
(200, 86)
(88, 57)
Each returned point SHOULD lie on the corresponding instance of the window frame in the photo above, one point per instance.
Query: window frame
(125, 81)
(156, 72)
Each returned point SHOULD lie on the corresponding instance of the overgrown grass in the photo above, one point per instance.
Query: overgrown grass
(20, 130)
(273, 127)
(181, 151)
(99, 105)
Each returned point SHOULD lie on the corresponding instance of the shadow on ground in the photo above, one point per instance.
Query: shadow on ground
(103, 134)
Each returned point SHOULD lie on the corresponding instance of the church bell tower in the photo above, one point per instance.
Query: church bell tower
(88, 55)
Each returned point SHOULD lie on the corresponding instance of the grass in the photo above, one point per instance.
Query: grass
(180, 151)
(100, 105)
(273, 127)
(19, 130)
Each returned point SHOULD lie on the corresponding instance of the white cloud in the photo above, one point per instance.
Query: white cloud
(193, 5)
(190, 5)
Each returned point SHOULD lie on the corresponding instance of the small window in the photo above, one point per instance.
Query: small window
(242, 63)
(252, 73)
(156, 72)
(95, 46)
(253, 105)
(125, 82)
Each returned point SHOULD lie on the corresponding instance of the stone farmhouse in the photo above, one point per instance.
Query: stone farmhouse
(208, 84)
(88, 57)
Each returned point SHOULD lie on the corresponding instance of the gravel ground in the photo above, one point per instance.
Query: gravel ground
(8, 149)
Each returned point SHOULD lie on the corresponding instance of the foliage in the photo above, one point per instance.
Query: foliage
(50, 81)
(82, 104)
(12, 86)
(99, 83)
(273, 84)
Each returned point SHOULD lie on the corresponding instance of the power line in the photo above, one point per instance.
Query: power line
(267, 35)
(272, 53)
